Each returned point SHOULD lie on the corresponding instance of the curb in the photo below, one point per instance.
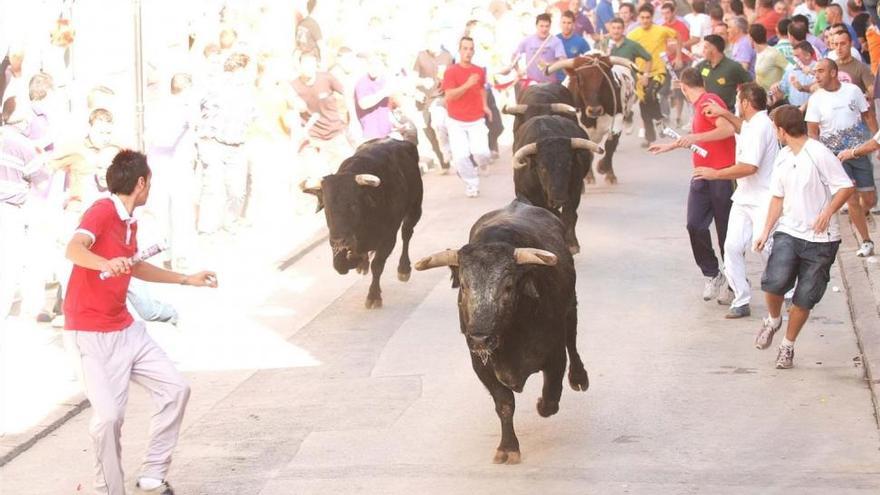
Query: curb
(21, 443)
(864, 311)
(32, 436)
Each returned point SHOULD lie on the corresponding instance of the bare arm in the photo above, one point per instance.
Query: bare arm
(870, 119)
(152, 273)
(737, 171)
(837, 201)
(370, 101)
(79, 253)
(456, 93)
(773, 214)
(813, 130)
(723, 129)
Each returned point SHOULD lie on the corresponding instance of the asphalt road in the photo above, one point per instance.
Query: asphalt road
(297, 389)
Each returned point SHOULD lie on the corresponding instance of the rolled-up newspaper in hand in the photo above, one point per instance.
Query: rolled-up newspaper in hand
(140, 256)
(669, 132)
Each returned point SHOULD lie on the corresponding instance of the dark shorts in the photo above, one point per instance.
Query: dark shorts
(796, 260)
(861, 171)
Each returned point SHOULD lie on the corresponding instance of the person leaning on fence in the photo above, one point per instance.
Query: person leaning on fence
(808, 187)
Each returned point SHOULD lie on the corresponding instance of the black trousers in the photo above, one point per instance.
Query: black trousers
(496, 127)
(649, 107)
(708, 200)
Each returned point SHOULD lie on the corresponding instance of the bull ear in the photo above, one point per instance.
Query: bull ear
(367, 180)
(456, 281)
(532, 256)
(313, 188)
(448, 257)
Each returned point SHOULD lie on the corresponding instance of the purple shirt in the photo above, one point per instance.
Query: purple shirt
(376, 120)
(744, 53)
(19, 168)
(551, 50)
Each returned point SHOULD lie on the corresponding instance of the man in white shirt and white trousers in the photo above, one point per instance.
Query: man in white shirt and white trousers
(808, 187)
(756, 150)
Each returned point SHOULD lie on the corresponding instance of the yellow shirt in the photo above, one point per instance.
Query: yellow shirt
(654, 41)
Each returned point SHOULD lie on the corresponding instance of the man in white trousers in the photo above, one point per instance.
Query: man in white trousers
(110, 348)
(464, 86)
(756, 150)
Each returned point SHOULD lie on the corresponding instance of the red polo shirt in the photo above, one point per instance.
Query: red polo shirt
(469, 106)
(722, 153)
(92, 304)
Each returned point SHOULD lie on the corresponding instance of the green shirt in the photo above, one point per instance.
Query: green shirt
(723, 79)
(631, 50)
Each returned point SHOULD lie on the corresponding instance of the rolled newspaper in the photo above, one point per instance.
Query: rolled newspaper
(669, 132)
(140, 256)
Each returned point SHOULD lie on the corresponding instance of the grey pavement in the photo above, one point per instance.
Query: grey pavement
(297, 389)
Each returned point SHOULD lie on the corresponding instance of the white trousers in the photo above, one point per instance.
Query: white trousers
(12, 253)
(745, 224)
(466, 140)
(439, 119)
(107, 362)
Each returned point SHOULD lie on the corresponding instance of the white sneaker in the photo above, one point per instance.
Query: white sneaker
(867, 249)
(713, 286)
(725, 295)
(472, 192)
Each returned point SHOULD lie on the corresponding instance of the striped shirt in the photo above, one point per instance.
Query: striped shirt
(20, 166)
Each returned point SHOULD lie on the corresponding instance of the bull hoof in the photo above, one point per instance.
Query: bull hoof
(602, 167)
(590, 179)
(611, 179)
(578, 379)
(547, 408)
(373, 303)
(507, 457)
(403, 276)
(575, 249)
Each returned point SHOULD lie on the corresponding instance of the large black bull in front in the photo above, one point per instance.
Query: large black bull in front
(517, 308)
(375, 192)
(604, 91)
(551, 158)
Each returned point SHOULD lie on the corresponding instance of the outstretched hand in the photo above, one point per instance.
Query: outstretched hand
(201, 279)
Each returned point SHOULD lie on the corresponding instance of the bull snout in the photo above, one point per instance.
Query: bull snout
(483, 342)
(595, 111)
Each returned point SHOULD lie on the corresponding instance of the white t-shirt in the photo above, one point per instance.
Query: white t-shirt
(699, 24)
(806, 182)
(832, 54)
(805, 11)
(839, 115)
(756, 145)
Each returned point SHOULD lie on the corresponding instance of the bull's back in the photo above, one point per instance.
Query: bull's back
(546, 126)
(523, 225)
(395, 162)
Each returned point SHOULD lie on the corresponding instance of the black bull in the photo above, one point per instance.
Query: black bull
(376, 192)
(517, 309)
(551, 158)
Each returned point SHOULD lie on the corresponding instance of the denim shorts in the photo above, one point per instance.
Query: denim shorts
(796, 260)
(861, 171)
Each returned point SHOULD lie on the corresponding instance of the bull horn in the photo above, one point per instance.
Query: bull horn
(586, 144)
(532, 256)
(622, 61)
(310, 186)
(514, 109)
(559, 64)
(562, 108)
(448, 257)
(367, 180)
(519, 158)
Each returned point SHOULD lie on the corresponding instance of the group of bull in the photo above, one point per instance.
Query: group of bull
(517, 304)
